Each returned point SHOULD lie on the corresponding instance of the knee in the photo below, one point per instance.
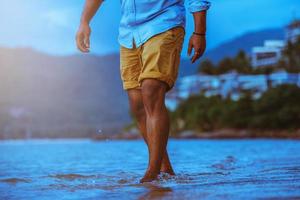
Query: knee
(153, 88)
(138, 111)
(153, 94)
(136, 104)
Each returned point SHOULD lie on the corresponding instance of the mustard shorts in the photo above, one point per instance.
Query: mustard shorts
(158, 58)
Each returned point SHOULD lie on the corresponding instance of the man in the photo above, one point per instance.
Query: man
(151, 35)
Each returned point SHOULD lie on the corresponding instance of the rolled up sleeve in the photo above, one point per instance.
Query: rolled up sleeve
(197, 5)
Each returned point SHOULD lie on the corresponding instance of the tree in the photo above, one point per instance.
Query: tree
(225, 65)
(278, 108)
(242, 63)
(206, 67)
(291, 56)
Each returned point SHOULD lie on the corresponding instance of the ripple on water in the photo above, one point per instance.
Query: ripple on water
(229, 163)
(74, 181)
(15, 180)
(229, 173)
(71, 176)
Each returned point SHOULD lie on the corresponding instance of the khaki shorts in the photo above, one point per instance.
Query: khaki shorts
(158, 58)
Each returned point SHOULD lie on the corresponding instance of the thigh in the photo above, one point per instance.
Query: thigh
(161, 56)
(130, 67)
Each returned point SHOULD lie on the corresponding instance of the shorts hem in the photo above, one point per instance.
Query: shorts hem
(159, 76)
(130, 85)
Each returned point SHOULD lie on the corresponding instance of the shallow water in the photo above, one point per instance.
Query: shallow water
(206, 169)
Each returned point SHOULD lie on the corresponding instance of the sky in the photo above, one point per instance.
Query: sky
(50, 25)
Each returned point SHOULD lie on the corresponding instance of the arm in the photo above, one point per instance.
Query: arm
(84, 30)
(198, 40)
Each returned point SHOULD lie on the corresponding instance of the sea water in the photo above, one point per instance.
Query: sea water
(205, 169)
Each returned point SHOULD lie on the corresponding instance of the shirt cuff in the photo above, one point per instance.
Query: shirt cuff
(197, 6)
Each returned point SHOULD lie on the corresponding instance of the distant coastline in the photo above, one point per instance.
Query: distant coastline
(217, 134)
(189, 134)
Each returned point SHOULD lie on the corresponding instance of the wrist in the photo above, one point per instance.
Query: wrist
(84, 22)
(199, 33)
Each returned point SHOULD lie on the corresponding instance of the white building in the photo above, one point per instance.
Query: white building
(292, 31)
(269, 54)
(229, 84)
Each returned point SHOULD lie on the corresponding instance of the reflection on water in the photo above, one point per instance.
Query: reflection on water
(206, 169)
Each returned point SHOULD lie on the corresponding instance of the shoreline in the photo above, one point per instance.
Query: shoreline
(217, 134)
(186, 134)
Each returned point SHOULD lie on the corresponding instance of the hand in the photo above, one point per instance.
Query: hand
(198, 42)
(83, 38)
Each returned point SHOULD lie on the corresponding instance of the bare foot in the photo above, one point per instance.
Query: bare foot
(149, 176)
(167, 168)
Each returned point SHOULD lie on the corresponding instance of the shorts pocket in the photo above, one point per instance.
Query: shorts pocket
(177, 31)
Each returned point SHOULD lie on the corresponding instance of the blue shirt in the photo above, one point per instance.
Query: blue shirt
(142, 19)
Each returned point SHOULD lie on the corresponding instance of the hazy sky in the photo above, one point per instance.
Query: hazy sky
(50, 25)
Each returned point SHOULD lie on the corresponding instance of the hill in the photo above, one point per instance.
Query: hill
(75, 96)
(245, 42)
(71, 96)
(230, 48)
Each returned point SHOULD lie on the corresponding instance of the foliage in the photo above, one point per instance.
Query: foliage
(277, 108)
(240, 63)
(291, 57)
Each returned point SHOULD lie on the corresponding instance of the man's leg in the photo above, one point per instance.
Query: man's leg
(138, 110)
(157, 124)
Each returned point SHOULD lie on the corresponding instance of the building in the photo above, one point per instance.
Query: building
(269, 54)
(227, 85)
(232, 84)
(292, 31)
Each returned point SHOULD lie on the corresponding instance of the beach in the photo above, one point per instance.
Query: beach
(111, 169)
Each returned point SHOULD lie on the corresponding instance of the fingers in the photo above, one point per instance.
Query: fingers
(87, 41)
(198, 44)
(197, 54)
(190, 48)
(79, 42)
(194, 58)
(83, 42)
